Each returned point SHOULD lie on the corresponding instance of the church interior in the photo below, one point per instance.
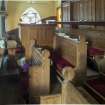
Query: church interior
(52, 52)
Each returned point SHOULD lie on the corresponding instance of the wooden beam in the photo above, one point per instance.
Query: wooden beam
(98, 23)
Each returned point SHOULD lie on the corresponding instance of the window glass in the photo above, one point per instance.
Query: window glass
(30, 16)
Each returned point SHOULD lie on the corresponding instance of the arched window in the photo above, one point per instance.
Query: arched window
(30, 16)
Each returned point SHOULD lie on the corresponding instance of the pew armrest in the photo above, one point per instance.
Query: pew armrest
(68, 73)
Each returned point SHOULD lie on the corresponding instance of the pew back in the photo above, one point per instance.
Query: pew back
(73, 51)
(42, 34)
(67, 47)
(95, 37)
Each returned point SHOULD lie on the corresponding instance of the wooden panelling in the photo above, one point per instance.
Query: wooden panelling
(91, 13)
(42, 34)
(87, 10)
(66, 8)
(83, 10)
(100, 10)
(93, 10)
(76, 10)
(66, 12)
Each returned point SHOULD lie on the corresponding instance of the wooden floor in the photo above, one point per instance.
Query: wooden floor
(88, 96)
(91, 72)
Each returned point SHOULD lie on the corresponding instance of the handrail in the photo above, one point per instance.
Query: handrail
(93, 23)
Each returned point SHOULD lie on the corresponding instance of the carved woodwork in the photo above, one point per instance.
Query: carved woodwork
(39, 73)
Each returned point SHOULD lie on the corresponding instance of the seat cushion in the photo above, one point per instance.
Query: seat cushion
(61, 63)
(95, 51)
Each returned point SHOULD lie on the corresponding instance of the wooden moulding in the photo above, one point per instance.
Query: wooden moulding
(98, 23)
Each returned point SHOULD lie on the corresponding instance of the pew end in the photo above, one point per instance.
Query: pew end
(39, 73)
(69, 94)
(68, 73)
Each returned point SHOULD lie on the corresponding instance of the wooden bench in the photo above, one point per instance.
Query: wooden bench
(39, 73)
(39, 79)
(70, 94)
(73, 54)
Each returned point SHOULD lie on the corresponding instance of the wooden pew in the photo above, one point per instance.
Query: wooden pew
(75, 52)
(95, 37)
(42, 34)
(69, 94)
(96, 48)
(39, 73)
(39, 84)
